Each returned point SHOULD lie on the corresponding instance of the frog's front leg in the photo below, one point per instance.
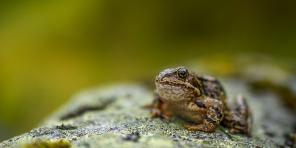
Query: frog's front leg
(213, 117)
(160, 109)
(238, 119)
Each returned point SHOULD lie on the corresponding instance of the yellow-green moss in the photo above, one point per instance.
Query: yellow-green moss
(49, 144)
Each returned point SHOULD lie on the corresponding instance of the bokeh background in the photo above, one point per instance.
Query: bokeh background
(51, 49)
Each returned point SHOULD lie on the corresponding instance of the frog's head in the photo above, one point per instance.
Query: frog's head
(177, 84)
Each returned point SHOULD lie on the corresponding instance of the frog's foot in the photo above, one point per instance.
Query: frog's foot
(156, 113)
(159, 110)
(166, 115)
(213, 117)
(238, 120)
(206, 126)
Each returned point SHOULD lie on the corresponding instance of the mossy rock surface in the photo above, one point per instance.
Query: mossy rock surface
(113, 116)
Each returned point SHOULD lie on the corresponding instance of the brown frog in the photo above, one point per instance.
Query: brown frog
(200, 100)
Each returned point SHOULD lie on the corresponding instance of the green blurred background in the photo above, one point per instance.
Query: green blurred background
(51, 49)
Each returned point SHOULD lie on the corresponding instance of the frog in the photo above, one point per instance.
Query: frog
(199, 100)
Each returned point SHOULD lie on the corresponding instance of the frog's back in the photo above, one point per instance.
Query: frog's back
(212, 88)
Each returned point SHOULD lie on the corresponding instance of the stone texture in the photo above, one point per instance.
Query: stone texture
(113, 116)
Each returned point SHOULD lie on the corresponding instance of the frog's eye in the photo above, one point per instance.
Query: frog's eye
(182, 72)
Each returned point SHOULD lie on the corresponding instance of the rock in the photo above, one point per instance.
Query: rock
(272, 78)
(114, 116)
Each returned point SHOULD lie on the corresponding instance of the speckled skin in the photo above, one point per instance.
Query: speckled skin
(200, 100)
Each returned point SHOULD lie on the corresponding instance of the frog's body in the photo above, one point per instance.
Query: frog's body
(200, 100)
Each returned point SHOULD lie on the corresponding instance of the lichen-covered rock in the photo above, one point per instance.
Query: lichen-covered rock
(114, 116)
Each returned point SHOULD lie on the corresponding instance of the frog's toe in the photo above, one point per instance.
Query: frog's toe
(205, 127)
(155, 113)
